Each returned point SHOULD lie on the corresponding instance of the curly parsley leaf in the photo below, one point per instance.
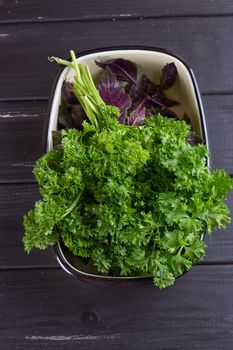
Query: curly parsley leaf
(146, 198)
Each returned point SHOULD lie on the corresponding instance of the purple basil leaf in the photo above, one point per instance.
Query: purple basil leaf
(164, 111)
(149, 112)
(132, 91)
(137, 116)
(67, 96)
(193, 139)
(78, 116)
(112, 93)
(57, 138)
(64, 118)
(169, 75)
(167, 112)
(147, 87)
(187, 119)
(163, 100)
(125, 70)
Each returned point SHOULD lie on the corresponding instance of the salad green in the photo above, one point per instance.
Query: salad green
(134, 199)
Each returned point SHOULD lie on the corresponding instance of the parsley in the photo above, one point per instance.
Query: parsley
(135, 199)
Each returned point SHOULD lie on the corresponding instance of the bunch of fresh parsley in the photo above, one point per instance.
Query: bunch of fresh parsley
(134, 199)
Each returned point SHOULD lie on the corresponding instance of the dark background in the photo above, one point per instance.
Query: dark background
(41, 307)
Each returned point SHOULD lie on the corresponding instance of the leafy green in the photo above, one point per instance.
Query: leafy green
(146, 198)
(134, 199)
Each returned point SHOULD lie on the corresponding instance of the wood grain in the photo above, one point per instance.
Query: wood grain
(11, 10)
(49, 310)
(218, 110)
(21, 130)
(15, 201)
(199, 41)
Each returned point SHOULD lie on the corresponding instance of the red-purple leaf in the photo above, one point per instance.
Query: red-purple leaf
(165, 111)
(147, 87)
(187, 119)
(152, 95)
(67, 96)
(125, 70)
(193, 139)
(169, 75)
(64, 118)
(141, 93)
(78, 116)
(163, 100)
(113, 94)
(133, 91)
(137, 116)
(144, 97)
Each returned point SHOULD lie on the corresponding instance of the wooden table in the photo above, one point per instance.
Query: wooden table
(41, 307)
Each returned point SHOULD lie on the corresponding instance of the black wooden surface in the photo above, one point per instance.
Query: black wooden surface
(42, 307)
(206, 42)
(45, 309)
(32, 10)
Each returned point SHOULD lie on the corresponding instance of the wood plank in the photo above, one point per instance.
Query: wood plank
(218, 110)
(11, 10)
(16, 200)
(50, 310)
(21, 128)
(197, 41)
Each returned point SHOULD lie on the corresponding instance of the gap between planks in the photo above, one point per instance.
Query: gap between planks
(113, 17)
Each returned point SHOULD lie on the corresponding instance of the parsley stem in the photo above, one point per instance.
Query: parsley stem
(75, 65)
(59, 61)
(73, 205)
(85, 90)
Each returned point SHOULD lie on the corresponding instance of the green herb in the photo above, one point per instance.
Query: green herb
(135, 199)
